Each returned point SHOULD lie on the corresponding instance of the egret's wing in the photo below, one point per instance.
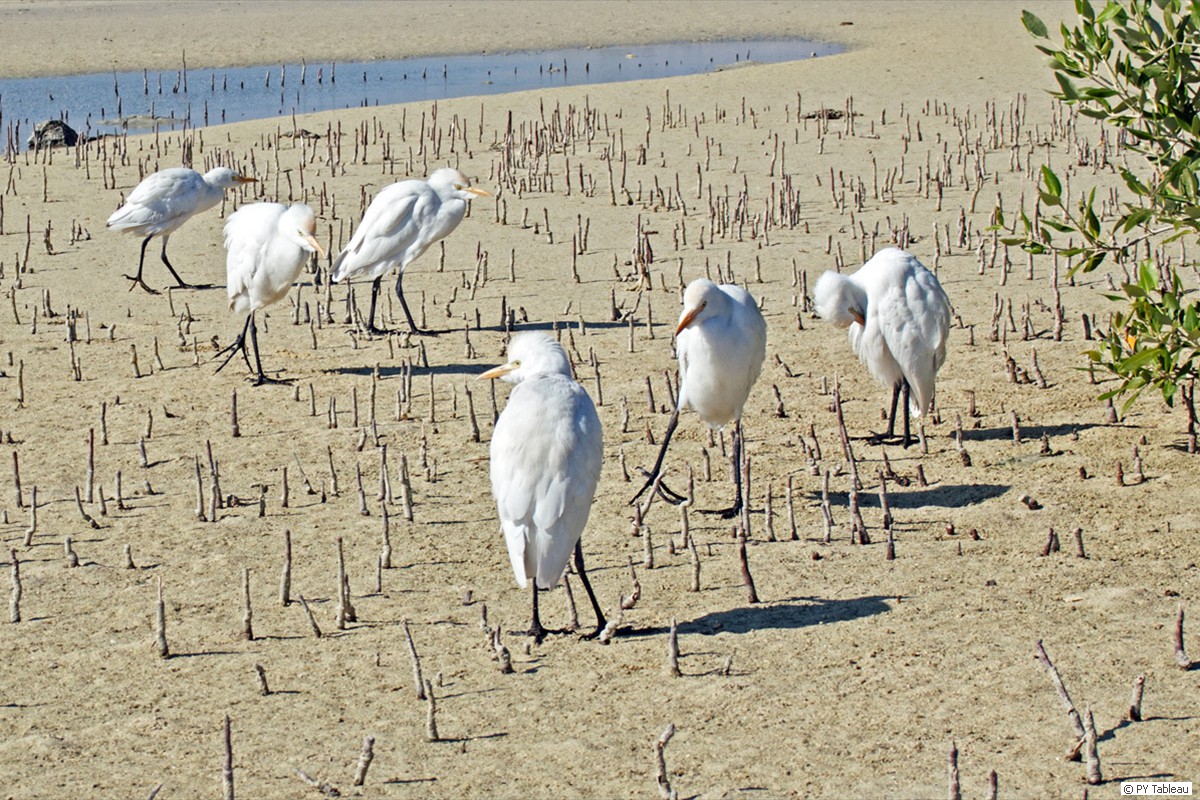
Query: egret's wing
(161, 197)
(914, 320)
(546, 457)
(387, 229)
(248, 232)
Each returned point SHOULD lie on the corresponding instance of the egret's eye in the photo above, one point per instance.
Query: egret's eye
(517, 364)
(458, 187)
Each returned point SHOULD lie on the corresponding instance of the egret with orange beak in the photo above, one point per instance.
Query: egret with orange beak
(899, 318)
(267, 244)
(401, 223)
(161, 203)
(546, 455)
(720, 341)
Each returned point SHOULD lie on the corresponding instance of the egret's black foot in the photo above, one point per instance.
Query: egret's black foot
(664, 491)
(136, 280)
(725, 513)
(374, 330)
(238, 346)
(263, 379)
(595, 633)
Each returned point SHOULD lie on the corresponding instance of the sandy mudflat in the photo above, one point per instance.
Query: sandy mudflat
(853, 675)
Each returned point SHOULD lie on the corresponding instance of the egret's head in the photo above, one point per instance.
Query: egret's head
(702, 298)
(451, 180)
(839, 300)
(531, 353)
(299, 223)
(225, 178)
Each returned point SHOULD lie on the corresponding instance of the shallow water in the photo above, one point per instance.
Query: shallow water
(137, 101)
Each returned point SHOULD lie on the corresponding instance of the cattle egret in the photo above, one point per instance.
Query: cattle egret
(546, 455)
(268, 244)
(401, 223)
(898, 318)
(164, 201)
(720, 341)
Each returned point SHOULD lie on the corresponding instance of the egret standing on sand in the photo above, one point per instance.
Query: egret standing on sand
(546, 456)
(268, 243)
(898, 318)
(164, 201)
(401, 223)
(721, 341)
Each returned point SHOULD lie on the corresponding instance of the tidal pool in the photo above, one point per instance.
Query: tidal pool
(139, 102)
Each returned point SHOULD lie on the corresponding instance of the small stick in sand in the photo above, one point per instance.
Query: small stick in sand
(160, 624)
(1072, 714)
(572, 611)
(418, 681)
(364, 760)
(1135, 701)
(285, 579)
(431, 731)
(695, 586)
(955, 791)
(261, 676)
(324, 787)
(1091, 757)
(660, 765)
(747, 578)
(993, 786)
(1079, 543)
(69, 553)
(1181, 658)
(86, 517)
(129, 558)
(233, 415)
(28, 541)
(247, 612)
(311, 619)
(502, 654)
(673, 651)
(14, 602)
(227, 768)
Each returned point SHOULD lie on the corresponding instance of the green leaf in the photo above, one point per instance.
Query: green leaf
(1034, 25)
(1053, 186)
(1139, 360)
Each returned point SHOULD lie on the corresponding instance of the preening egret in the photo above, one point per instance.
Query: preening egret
(268, 243)
(400, 224)
(165, 200)
(720, 341)
(546, 455)
(898, 318)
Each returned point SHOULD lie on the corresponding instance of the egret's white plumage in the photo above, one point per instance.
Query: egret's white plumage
(546, 455)
(267, 244)
(164, 201)
(899, 318)
(400, 224)
(721, 341)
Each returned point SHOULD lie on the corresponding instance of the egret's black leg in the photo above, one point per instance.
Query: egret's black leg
(536, 630)
(174, 274)
(736, 467)
(666, 494)
(891, 431)
(403, 304)
(583, 578)
(375, 287)
(907, 435)
(137, 279)
(239, 344)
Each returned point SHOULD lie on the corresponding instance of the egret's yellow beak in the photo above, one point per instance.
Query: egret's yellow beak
(858, 317)
(478, 191)
(687, 318)
(317, 245)
(244, 179)
(496, 372)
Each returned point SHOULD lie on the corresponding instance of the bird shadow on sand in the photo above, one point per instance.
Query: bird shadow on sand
(795, 612)
(1027, 431)
(952, 495)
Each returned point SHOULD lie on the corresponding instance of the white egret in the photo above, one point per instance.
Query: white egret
(546, 455)
(401, 223)
(164, 201)
(721, 340)
(899, 318)
(267, 245)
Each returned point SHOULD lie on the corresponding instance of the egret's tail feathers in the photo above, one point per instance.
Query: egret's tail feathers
(338, 264)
